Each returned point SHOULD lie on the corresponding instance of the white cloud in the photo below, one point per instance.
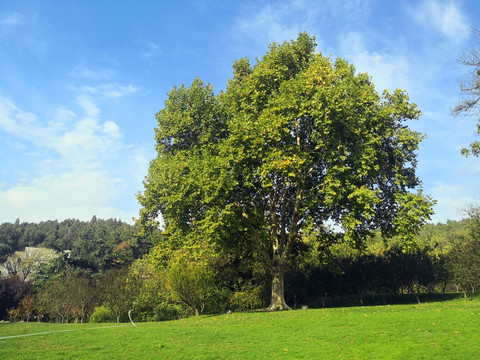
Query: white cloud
(24, 33)
(93, 74)
(445, 17)
(76, 193)
(451, 200)
(281, 21)
(388, 71)
(86, 138)
(62, 117)
(90, 108)
(110, 91)
(276, 22)
(14, 19)
(151, 52)
(81, 167)
(111, 129)
(115, 91)
(22, 125)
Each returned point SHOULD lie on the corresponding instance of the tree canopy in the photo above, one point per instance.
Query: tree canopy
(297, 147)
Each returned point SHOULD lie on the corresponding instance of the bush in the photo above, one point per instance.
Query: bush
(191, 284)
(248, 299)
(102, 314)
(168, 311)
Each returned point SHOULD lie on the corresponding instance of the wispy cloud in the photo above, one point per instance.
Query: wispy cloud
(14, 19)
(22, 125)
(275, 22)
(445, 17)
(90, 108)
(79, 192)
(388, 71)
(93, 74)
(111, 91)
(452, 199)
(23, 32)
(283, 20)
(151, 52)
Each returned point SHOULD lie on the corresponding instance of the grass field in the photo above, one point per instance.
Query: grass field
(437, 330)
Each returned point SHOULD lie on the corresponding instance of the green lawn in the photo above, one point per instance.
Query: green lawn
(439, 330)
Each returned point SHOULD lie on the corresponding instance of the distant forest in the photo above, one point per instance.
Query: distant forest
(97, 245)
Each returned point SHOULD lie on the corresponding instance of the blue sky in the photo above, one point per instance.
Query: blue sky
(81, 82)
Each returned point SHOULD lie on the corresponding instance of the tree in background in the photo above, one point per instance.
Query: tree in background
(465, 264)
(190, 282)
(26, 263)
(73, 295)
(97, 245)
(25, 310)
(13, 290)
(464, 257)
(295, 143)
(115, 292)
(471, 87)
(148, 278)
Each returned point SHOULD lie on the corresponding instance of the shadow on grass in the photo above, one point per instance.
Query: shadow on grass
(386, 299)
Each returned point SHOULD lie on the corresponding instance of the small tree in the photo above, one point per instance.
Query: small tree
(82, 293)
(12, 290)
(72, 295)
(53, 299)
(25, 311)
(465, 264)
(116, 295)
(191, 283)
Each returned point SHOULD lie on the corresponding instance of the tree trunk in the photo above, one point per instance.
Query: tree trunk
(278, 290)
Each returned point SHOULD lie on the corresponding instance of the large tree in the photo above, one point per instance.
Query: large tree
(295, 145)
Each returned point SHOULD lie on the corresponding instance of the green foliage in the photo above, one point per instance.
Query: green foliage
(465, 264)
(166, 310)
(247, 299)
(296, 142)
(102, 314)
(72, 296)
(97, 245)
(25, 311)
(118, 290)
(322, 271)
(191, 283)
(464, 255)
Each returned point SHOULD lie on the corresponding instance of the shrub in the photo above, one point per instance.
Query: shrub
(168, 311)
(192, 284)
(248, 299)
(102, 314)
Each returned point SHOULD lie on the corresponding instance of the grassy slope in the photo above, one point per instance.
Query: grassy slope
(440, 330)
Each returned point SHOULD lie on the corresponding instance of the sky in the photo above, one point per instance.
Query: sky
(82, 80)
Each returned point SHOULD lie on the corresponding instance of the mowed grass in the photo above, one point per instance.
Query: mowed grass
(439, 330)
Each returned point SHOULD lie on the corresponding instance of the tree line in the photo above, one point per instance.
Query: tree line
(97, 244)
(165, 284)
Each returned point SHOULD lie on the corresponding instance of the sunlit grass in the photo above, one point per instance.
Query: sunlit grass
(440, 330)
